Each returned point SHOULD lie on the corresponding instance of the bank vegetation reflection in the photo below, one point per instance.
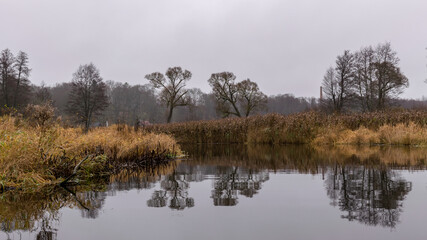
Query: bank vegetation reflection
(362, 182)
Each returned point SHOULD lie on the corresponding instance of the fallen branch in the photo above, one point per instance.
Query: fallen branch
(76, 168)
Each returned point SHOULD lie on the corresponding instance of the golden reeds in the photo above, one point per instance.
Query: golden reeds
(393, 127)
(37, 155)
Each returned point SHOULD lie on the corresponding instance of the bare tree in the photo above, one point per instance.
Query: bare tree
(88, 95)
(234, 98)
(377, 77)
(21, 82)
(251, 99)
(371, 76)
(7, 76)
(390, 80)
(14, 72)
(225, 91)
(330, 90)
(364, 78)
(337, 83)
(344, 73)
(172, 89)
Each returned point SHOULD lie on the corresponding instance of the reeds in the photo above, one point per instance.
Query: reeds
(392, 127)
(35, 155)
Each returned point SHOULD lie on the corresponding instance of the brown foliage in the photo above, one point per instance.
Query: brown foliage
(292, 129)
(37, 154)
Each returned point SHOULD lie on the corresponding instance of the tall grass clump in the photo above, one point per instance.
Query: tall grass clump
(35, 150)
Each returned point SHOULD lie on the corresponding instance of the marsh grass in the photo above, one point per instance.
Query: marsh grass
(396, 127)
(33, 155)
(409, 134)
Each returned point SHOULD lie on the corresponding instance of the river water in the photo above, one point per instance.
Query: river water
(238, 192)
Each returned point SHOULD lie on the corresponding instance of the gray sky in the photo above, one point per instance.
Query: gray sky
(285, 46)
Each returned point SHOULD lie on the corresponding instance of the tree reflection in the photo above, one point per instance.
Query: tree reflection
(46, 232)
(373, 196)
(231, 182)
(175, 189)
(92, 202)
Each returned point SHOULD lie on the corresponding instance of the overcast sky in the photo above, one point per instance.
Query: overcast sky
(285, 46)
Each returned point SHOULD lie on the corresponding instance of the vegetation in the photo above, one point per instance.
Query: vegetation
(363, 81)
(14, 73)
(366, 80)
(88, 96)
(36, 150)
(236, 99)
(399, 127)
(130, 103)
(173, 92)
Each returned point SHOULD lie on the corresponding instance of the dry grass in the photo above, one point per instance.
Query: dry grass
(409, 134)
(35, 155)
(394, 127)
(271, 129)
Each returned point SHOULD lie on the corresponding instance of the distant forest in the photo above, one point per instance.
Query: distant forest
(131, 103)
(367, 80)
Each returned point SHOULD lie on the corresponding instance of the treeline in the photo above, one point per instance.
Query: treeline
(88, 100)
(363, 81)
(132, 103)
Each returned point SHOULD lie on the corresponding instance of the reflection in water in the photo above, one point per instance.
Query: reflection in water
(175, 188)
(363, 183)
(368, 195)
(92, 201)
(37, 212)
(230, 181)
(46, 232)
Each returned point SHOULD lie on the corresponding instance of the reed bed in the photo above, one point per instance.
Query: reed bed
(398, 127)
(35, 155)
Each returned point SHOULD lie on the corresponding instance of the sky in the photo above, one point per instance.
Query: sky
(283, 45)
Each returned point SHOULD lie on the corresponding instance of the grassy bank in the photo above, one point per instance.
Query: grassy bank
(393, 128)
(35, 153)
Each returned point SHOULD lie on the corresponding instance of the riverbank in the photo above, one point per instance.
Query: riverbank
(377, 128)
(38, 153)
(236, 168)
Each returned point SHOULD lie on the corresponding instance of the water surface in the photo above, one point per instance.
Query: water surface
(238, 192)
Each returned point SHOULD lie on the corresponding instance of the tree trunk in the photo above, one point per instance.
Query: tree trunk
(170, 114)
(18, 81)
(236, 109)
